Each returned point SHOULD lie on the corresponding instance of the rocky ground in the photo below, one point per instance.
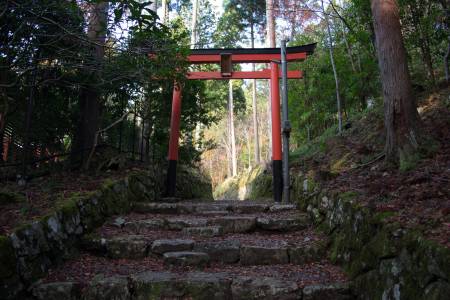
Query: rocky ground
(195, 250)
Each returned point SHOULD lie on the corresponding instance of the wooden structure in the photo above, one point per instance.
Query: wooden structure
(226, 58)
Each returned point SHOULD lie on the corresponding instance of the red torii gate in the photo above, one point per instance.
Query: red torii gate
(226, 58)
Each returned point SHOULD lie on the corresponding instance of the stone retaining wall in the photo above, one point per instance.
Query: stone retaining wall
(383, 259)
(27, 254)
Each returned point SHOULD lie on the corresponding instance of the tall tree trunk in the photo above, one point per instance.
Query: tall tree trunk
(247, 137)
(231, 127)
(90, 98)
(254, 104)
(270, 23)
(402, 122)
(165, 11)
(336, 78)
(271, 42)
(349, 48)
(445, 6)
(194, 23)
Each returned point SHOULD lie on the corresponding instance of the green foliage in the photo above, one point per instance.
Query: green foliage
(45, 51)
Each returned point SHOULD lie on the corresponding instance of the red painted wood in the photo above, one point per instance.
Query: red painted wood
(175, 122)
(264, 74)
(244, 58)
(276, 119)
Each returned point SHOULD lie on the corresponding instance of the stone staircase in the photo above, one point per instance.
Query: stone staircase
(200, 250)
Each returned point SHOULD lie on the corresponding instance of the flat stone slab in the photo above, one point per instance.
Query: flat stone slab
(234, 224)
(218, 207)
(127, 247)
(250, 208)
(214, 213)
(205, 231)
(180, 223)
(246, 287)
(282, 207)
(131, 246)
(261, 255)
(338, 291)
(211, 207)
(108, 288)
(151, 224)
(192, 285)
(57, 291)
(186, 258)
(283, 224)
(221, 251)
(175, 245)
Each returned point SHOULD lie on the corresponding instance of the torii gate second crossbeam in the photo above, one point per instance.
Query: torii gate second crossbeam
(226, 58)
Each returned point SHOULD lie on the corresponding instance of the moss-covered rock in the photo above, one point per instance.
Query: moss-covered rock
(229, 189)
(192, 183)
(252, 184)
(144, 186)
(384, 260)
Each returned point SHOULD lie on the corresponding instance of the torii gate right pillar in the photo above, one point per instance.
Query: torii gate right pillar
(277, 165)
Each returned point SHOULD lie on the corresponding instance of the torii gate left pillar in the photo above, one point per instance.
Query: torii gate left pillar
(175, 119)
(222, 56)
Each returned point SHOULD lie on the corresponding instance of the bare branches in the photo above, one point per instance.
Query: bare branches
(88, 161)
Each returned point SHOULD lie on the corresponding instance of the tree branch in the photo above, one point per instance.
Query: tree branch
(88, 161)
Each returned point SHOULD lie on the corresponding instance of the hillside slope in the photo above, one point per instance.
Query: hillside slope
(415, 195)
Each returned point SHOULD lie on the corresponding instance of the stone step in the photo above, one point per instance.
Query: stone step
(204, 231)
(283, 224)
(229, 223)
(210, 208)
(164, 246)
(258, 252)
(190, 285)
(186, 259)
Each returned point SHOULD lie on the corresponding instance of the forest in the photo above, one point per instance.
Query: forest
(85, 119)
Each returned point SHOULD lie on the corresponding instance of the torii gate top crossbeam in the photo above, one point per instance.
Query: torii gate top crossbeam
(249, 55)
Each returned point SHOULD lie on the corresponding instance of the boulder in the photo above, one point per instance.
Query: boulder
(264, 255)
(186, 258)
(175, 245)
(267, 288)
(222, 251)
(309, 252)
